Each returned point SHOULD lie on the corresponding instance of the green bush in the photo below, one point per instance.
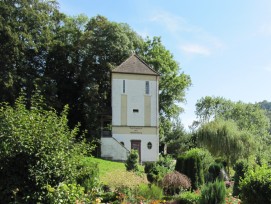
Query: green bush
(191, 165)
(189, 198)
(213, 193)
(157, 170)
(150, 192)
(132, 161)
(240, 169)
(214, 172)
(37, 149)
(66, 194)
(87, 175)
(256, 186)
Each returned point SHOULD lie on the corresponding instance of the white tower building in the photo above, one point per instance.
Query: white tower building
(135, 112)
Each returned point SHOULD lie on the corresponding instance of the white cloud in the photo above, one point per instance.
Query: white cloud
(189, 38)
(195, 49)
(172, 23)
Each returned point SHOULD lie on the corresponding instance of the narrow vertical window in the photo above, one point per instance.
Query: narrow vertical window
(147, 87)
(123, 86)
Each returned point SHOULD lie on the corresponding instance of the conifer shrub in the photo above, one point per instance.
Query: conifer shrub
(191, 165)
(214, 193)
(240, 169)
(256, 186)
(214, 172)
(132, 161)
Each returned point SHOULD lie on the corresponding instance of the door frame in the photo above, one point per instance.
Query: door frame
(138, 148)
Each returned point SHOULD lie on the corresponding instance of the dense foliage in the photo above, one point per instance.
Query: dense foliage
(132, 161)
(191, 164)
(256, 186)
(223, 139)
(37, 149)
(157, 170)
(213, 193)
(240, 169)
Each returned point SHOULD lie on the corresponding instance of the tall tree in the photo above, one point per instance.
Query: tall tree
(25, 33)
(249, 117)
(224, 139)
(105, 45)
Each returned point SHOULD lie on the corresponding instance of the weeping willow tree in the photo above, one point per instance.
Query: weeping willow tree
(224, 139)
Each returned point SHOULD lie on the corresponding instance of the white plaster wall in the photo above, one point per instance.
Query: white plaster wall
(111, 148)
(146, 154)
(135, 100)
(116, 101)
(135, 91)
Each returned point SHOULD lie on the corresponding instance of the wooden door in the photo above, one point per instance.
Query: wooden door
(136, 145)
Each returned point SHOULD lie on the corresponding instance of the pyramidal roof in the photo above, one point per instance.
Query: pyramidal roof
(135, 65)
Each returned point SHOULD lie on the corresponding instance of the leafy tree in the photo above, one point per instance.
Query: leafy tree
(265, 105)
(26, 31)
(224, 139)
(249, 117)
(37, 149)
(178, 140)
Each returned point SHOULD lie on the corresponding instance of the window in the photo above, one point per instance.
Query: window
(147, 87)
(123, 86)
(149, 145)
(135, 110)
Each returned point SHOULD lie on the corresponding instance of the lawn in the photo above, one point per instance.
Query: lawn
(114, 174)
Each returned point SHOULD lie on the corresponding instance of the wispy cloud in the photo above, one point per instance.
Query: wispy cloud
(172, 23)
(189, 39)
(195, 49)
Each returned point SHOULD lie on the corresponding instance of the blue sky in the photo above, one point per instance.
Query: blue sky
(225, 46)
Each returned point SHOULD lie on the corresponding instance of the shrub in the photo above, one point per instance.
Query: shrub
(67, 194)
(150, 192)
(132, 161)
(157, 170)
(175, 182)
(189, 198)
(240, 168)
(256, 186)
(214, 193)
(214, 172)
(190, 164)
(37, 149)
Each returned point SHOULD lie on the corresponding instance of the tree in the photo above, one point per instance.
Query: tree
(265, 105)
(37, 149)
(26, 31)
(247, 116)
(224, 139)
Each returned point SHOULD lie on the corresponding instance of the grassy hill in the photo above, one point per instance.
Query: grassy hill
(114, 174)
